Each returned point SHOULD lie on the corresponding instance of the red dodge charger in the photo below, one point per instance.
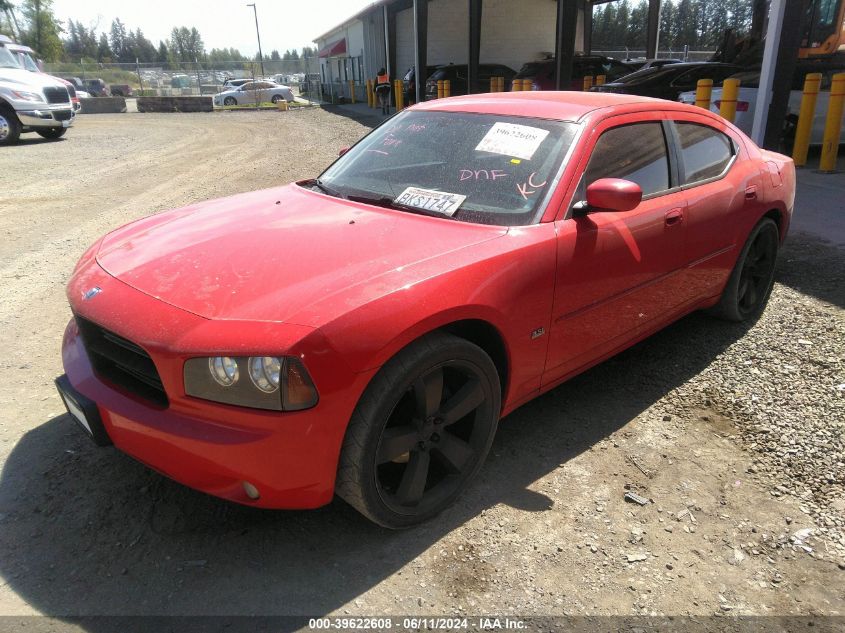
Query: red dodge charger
(361, 333)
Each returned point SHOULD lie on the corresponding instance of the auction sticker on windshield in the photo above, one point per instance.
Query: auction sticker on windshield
(431, 200)
(512, 139)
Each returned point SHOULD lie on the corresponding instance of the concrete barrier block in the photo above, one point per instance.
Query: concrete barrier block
(175, 104)
(103, 105)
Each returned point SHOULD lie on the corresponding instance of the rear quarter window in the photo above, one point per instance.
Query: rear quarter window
(705, 152)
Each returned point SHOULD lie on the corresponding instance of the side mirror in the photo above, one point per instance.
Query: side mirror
(613, 194)
(342, 151)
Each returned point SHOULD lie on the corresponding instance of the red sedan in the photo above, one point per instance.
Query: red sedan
(362, 333)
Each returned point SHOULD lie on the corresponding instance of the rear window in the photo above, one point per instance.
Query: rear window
(705, 152)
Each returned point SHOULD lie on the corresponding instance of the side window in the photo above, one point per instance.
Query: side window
(635, 152)
(705, 152)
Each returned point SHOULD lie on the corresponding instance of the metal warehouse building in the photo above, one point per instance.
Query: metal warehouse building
(509, 32)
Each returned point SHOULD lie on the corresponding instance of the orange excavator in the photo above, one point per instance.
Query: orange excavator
(824, 29)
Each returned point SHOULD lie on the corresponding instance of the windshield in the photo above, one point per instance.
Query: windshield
(7, 60)
(646, 74)
(496, 168)
(29, 63)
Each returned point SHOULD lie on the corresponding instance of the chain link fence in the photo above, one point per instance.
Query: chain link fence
(683, 54)
(188, 78)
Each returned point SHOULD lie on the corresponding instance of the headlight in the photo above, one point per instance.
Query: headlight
(277, 383)
(264, 371)
(28, 96)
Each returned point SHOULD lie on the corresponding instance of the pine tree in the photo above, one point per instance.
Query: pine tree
(42, 29)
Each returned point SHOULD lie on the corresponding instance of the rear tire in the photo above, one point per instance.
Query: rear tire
(420, 432)
(276, 98)
(51, 133)
(230, 101)
(10, 127)
(750, 284)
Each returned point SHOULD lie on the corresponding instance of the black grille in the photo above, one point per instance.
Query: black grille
(62, 115)
(57, 95)
(122, 362)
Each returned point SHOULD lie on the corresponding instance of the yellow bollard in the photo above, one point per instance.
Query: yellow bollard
(588, 82)
(702, 93)
(447, 87)
(352, 91)
(730, 91)
(500, 84)
(600, 79)
(397, 94)
(833, 125)
(492, 84)
(370, 100)
(516, 85)
(527, 84)
(439, 88)
(805, 118)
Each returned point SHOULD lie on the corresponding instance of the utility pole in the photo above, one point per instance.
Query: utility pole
(258, 35)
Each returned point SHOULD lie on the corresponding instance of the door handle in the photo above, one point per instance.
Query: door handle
(751, 192)
(673, 217)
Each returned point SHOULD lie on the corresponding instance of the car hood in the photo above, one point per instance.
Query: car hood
(28, 79)
(272, 255)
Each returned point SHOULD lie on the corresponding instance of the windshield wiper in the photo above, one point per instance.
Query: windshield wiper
(326, 189)
(390, 203)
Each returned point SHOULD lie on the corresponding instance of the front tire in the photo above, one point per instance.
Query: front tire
(276, 98)
(10, 127)
(51, 133)
(747, 291)
(420, 432)
(230, 101)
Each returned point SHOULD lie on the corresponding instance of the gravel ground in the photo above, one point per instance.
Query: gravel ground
(734, 434)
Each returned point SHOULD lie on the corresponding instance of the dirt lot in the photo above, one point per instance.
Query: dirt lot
(712, 422)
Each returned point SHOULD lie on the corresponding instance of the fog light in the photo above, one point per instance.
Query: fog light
(251, 491)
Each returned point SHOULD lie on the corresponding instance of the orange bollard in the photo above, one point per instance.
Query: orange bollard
(500, 84)
(600, 79)
(588, 82)
(447, 87)
(439, 88)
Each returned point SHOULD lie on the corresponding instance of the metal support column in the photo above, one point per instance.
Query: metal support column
(389, 39)
(420, 46)
(474, 44)
(567, 25)
(779, 60)
(653, 33)
(588, 27)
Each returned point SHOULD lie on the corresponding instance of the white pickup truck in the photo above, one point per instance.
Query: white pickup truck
(30, 101)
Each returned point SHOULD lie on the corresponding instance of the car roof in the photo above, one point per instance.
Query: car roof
(546, 104)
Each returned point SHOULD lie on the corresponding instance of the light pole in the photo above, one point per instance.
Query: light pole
(258, 35)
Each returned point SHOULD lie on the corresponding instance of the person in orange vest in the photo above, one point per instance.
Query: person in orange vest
(383, 90)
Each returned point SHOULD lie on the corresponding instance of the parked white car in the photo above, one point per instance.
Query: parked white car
(254, 92)
(747, 99)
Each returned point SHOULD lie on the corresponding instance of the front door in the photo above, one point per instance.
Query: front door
(618, 273)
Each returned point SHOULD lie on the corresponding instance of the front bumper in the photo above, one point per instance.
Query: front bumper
(62, 116)
(289, 457)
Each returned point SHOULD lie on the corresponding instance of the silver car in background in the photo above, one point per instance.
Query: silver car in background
(254, 92)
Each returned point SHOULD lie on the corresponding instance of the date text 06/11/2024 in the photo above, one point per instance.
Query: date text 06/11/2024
(486, 623)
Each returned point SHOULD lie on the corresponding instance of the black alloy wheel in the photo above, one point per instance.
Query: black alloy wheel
(420, 432)
(750, 284)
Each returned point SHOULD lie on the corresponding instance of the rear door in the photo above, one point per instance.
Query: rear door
(722, 190)
(618, 273)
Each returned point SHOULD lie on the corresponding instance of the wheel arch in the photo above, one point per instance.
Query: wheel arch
(779, 219)
(477, 328)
